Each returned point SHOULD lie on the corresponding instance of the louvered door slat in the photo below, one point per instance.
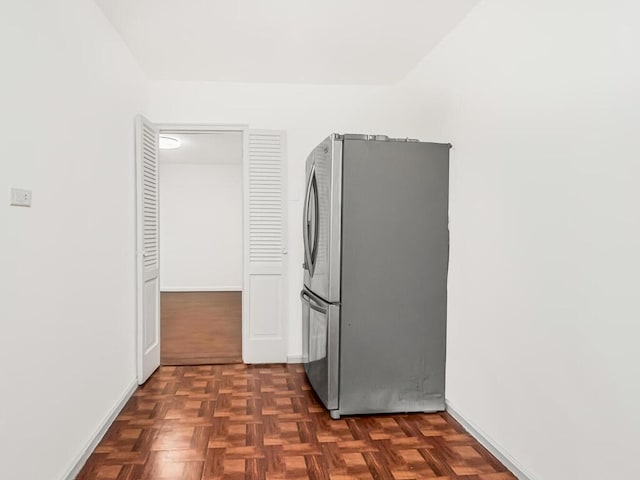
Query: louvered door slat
(265, 159)
(150, 201)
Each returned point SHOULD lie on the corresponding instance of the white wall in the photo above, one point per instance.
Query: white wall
(541, 101)
(308, 113)
(69, 90)
(200, 226)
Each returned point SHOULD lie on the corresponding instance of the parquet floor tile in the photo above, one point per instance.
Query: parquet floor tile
(263, 422)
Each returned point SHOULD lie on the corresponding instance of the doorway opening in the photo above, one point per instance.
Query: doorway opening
(201, 246)
(263, 284)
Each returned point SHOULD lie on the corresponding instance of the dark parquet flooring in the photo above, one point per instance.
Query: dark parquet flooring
(264, 422)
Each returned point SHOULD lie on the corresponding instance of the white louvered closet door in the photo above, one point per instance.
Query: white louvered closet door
(265, 286)
(147, 243)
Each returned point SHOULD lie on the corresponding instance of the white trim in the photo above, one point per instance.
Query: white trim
(201, 289)
(200, 127)
(245, 245)
(82, 458)
(487, 442)
(294, 358)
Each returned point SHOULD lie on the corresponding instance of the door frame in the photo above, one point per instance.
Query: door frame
(167, 128)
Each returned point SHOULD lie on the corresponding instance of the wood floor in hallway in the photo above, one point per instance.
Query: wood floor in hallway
(263, 422)
(200, 328)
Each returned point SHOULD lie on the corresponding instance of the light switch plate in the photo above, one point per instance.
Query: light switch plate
(20, 197)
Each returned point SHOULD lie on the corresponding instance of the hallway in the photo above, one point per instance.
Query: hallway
(263, 422)
(201, 328)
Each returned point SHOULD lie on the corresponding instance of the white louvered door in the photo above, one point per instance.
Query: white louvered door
(265, 287)
(147, 255)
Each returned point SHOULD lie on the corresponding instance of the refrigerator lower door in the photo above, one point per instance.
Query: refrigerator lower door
(321, 337)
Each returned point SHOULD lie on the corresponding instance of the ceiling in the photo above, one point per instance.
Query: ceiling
(283, 41)
(204, 148)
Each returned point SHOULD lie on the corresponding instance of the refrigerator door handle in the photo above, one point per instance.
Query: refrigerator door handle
(308, 299)
(313, 254)
(305, 223)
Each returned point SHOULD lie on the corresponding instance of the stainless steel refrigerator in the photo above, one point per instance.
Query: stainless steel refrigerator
(376, 248)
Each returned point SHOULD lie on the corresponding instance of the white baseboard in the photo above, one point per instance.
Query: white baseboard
(200, 289)
(294, 358)
(81, 459)
(487, 442)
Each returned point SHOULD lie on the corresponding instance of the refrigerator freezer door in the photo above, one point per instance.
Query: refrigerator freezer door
(321, 220)
(321, 322)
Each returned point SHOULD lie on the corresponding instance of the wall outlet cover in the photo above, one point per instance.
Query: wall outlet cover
(20, 197)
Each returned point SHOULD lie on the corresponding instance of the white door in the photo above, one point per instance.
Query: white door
(147, 251)
(265, 212)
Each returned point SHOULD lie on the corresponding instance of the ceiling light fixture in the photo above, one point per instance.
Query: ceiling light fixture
(169, 143)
